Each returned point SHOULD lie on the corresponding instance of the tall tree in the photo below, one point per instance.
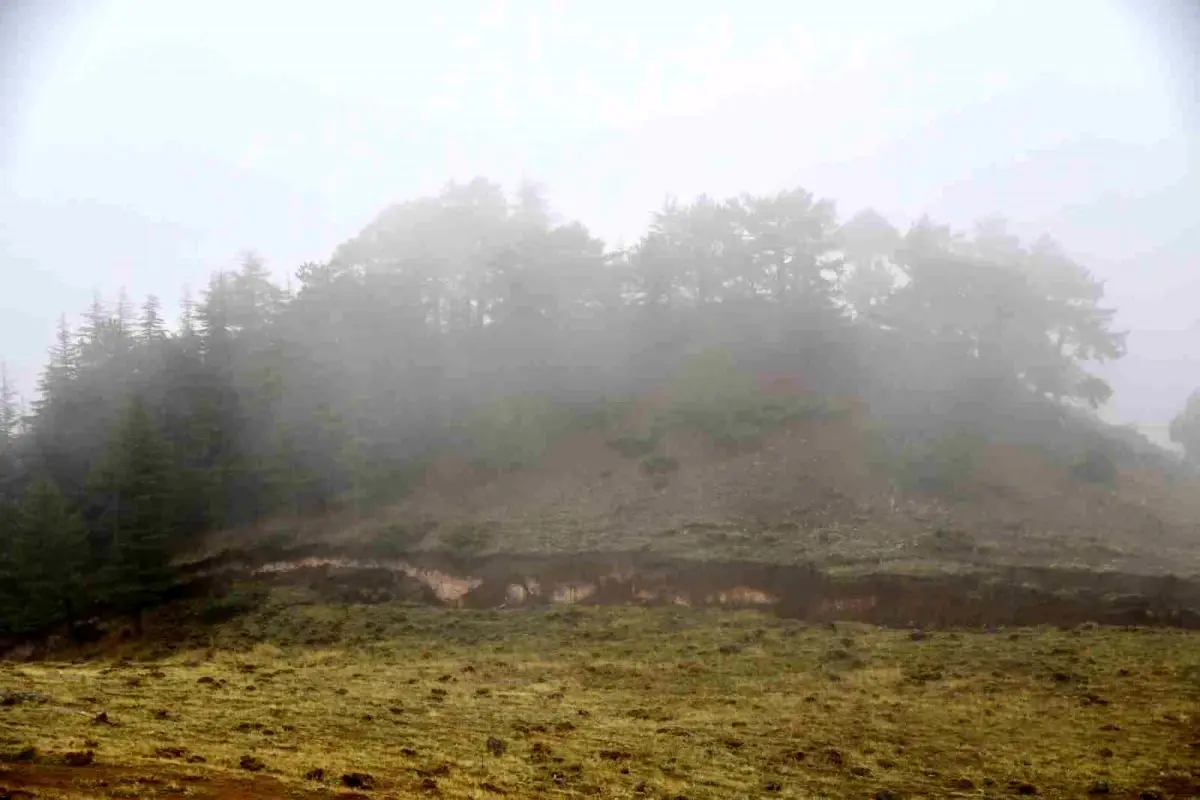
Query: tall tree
(135, 491)
(46, 554)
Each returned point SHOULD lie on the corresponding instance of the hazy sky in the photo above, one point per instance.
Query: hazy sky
(144, 143)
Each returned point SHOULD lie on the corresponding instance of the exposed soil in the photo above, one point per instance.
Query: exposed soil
(50, 780)
(995, 597)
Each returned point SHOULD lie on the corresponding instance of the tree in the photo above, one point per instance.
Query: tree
(136, 495)
(46, 555)
(1015, 321)
(10, 429)
(1185, 427)
(151, 327)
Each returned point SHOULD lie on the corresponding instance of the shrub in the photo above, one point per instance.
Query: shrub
(466, 539)
(234, 603)
(394, 541)
(1095, 466)
(635, 446)
(711, 395)
(659, 465)
(513, 432)
(939, 463)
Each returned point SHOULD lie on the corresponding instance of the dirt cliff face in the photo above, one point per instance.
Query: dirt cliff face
(998, 597)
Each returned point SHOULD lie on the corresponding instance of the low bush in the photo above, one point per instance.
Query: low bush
(232, 604)
(712, 396)
(513, 432)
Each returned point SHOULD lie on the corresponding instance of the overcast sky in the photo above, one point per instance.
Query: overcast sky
(144, 143)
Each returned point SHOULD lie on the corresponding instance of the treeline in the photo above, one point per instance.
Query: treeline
(259, 399)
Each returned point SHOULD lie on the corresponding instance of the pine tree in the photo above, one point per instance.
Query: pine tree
(10, 421)
(46, 556)
(63, 366)
(151, 326)
(136, 493)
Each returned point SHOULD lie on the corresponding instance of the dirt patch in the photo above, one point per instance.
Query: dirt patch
(47, 780)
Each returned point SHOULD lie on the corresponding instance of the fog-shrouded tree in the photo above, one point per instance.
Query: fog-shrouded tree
(135, 493)
(473, 304)
(42, 561)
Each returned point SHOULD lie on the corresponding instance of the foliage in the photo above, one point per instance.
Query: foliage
(466, 540)
(939, 462)
(712, 395)
(635, 446)
(233, 603)
(42, 561)
(659, 464)
(513, 432)
(1096, 465)
(136, 511)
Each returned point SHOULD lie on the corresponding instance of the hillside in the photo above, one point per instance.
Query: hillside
(470, 389)
(816, 490)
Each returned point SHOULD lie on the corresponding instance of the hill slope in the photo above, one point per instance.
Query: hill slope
(816, 491)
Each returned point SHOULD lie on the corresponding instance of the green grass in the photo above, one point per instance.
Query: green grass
(628, 702)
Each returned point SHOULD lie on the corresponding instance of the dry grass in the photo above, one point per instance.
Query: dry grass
(625, 702)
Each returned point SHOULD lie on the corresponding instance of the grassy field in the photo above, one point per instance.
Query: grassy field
(395, 701)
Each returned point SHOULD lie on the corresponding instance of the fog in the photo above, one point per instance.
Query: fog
(144, 144)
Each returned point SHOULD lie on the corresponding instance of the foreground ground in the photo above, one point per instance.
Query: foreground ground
(395, 701)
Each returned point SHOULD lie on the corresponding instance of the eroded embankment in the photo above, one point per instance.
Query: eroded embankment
(1000, 596)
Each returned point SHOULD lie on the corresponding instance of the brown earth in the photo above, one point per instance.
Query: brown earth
(29, 781)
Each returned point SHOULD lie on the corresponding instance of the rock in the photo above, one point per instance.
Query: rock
(918, 636)
(1100, 787)
(25, 754)
(773, 786)
(429, 785)
(79, 759)
(315, 774)
(196, 759)
(102, 719)
(965, 784)
(496, 746)
(615, 755)
(886, 794)
(251, 763)
(16, 698)
(170, 752)
(492, 788)
(358, 780)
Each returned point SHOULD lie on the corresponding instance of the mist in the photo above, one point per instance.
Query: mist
(167, 143)
(558, 398)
